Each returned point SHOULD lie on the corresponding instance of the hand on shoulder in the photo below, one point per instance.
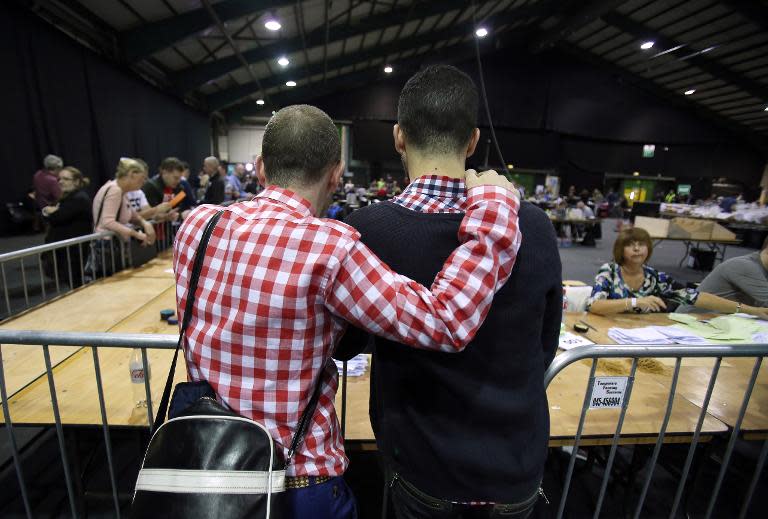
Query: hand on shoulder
(488, 178)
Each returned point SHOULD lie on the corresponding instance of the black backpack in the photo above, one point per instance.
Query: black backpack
(207, 461)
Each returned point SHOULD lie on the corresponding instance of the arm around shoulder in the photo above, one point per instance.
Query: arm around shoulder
(365, 292)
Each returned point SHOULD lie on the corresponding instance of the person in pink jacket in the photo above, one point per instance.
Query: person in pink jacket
(111, 210)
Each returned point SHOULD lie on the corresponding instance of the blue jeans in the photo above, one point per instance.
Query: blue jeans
(330, 500)
(409, 502)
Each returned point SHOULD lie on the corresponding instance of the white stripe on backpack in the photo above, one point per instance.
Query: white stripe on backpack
(211, 481)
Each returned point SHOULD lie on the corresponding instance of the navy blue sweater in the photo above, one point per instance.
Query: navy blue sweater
(469, 426)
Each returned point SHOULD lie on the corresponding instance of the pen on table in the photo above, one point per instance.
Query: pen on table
(587, 325)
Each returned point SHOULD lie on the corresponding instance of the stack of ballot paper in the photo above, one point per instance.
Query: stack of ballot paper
(722, 328)
(689, 330)
(679, 335)
(356, 366)
(647, 335)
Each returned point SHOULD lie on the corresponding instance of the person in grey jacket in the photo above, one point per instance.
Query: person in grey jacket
(743, 279)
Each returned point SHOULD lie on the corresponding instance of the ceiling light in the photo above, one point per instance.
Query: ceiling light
(636, 174)
(290, 83)
(482, 32)
(647, 45)
(272, 25)
(259, 102)
(690, 92)
(283, 61)
(510, 166)
(248, 167)
(388, 69)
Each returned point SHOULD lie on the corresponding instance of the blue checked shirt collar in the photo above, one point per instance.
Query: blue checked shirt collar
(434, 194)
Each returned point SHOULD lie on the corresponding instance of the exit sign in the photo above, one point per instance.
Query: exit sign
(648, 151)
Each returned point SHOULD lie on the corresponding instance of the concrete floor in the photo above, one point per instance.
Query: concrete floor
(582, 263)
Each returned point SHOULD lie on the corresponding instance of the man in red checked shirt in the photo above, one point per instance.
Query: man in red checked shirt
(279, 285)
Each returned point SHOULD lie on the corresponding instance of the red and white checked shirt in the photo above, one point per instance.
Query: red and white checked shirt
(278, 286)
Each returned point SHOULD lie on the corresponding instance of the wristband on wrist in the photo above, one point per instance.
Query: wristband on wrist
(738, 308)
(634, 303)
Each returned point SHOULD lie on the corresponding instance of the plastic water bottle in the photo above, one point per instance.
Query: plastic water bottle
(136, 367)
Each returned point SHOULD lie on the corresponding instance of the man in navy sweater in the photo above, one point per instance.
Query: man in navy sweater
(461, 435)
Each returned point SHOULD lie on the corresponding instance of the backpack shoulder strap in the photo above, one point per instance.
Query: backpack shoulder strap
(196, 268)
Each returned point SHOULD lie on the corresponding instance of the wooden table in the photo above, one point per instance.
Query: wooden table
(694, 373)
(150, 289)
(97, 307)
(716, 246)
(74, 375)
(566, 395)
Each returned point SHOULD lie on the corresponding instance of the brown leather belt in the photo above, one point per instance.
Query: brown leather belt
(304, 481)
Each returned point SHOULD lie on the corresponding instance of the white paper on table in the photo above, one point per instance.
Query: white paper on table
(679, 335)
(760, 338)
(645, 335)
(570, 340)
(356, 366)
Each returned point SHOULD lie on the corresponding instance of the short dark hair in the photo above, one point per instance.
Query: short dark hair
(171, 164)
(300, 143)
(626, 237)
(437, 110)
(184, 165)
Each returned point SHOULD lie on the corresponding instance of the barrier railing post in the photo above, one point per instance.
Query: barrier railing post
(93, 259)
(5, 289)
(82, 270)
(12, 438)
(660, 440)
(103, 259)
(147, 374)
(695, 440)
(616, 436)
(69, 270)
(577, 440)
(344, 399)
(59, 431)
(755, 479)
(55, 270)
(105, 429)
(112, 256)
(42, 274)
(734, 436)
(24, 283)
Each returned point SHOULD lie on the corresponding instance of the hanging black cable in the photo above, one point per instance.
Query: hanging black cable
(482, 87)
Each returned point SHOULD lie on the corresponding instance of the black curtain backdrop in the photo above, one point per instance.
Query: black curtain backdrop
(553, 112)
(59, 97)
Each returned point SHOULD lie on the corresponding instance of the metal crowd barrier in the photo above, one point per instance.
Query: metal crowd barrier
(677, 352)
(95, 341)
(593, 352)
(67, 259)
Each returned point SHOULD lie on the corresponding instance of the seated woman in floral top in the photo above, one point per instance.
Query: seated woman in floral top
(627, 284)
